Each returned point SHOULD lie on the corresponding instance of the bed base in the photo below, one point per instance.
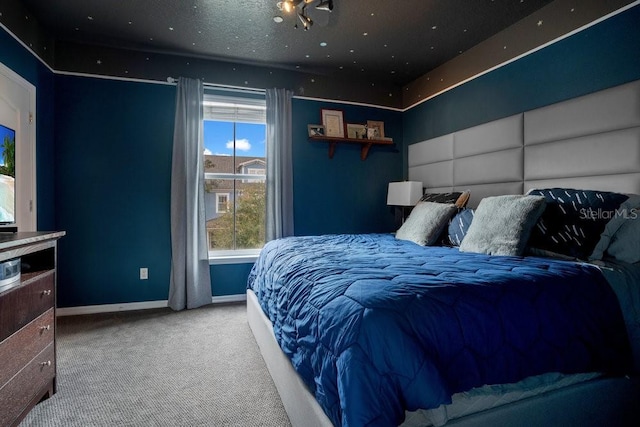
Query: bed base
(300, 405)
(605, 401)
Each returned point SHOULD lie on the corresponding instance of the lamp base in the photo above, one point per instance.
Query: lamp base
(400, 215)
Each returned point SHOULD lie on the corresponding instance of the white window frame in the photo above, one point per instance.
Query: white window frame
(237, 110)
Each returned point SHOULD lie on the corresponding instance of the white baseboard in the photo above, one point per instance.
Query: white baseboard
(229, 298)
(130, 306)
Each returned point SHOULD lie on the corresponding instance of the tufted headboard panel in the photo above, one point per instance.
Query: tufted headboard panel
(590, 142)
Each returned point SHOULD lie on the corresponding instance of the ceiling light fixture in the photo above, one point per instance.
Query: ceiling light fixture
(325, 5)
(288, 5)
(299, 7)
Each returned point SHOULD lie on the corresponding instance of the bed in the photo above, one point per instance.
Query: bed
(454, 336)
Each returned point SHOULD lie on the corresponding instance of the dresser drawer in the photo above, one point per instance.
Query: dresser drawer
(21, 305)
(17, 350)
(33, 379)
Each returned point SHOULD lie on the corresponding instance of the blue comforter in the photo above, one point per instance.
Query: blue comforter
(376, 326)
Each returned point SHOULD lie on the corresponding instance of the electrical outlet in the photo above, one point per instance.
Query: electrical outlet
(144, 273)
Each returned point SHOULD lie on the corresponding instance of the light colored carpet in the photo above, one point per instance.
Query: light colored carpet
(160, 368)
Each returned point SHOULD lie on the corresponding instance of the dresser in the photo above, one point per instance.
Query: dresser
(27, 324)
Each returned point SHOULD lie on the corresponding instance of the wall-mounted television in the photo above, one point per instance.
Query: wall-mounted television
(7, 175)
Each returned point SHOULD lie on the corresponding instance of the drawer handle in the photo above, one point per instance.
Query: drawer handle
(46, 292)
(47, 363)
(45, 328)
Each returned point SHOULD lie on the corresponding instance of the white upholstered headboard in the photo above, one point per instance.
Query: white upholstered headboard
(590, 142)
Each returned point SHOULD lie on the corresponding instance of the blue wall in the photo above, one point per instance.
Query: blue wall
(344, 194)
(113, 155)
(602, 56)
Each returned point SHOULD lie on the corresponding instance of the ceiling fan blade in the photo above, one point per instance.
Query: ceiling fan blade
(320, 17)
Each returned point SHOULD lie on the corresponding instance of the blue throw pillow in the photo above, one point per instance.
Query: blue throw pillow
(459, 226)
(573, 220)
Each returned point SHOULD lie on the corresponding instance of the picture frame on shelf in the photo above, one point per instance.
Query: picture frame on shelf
(333, 122)
(375, 129)
(356, 131)
(315, 130)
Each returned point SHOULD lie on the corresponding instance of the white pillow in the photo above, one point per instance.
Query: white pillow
(502, 225)
(426, 222)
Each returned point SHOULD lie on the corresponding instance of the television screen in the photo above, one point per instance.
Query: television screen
(7, 175)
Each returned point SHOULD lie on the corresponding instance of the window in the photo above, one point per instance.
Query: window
(235, 174)
(222, 202)
(254, 171)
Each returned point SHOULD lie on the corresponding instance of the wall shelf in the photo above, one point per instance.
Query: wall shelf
(364, 150)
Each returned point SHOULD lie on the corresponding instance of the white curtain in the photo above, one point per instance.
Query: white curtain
(279, 215)
(190, 284)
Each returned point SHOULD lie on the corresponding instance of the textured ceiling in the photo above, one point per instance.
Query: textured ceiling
(377, 40)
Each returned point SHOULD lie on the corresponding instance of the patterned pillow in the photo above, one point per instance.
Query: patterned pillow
(458, 198)
(573, 220)
(459, 226)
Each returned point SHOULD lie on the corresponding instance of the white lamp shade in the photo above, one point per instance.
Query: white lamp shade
(405, 193)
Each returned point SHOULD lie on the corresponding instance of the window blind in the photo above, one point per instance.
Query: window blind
(234, 109)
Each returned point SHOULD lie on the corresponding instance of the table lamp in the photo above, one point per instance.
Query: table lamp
(404, 194)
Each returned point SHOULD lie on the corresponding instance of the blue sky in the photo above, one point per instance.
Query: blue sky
(250, 138)
(4, 131)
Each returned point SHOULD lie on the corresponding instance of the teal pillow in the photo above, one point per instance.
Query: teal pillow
(426, 222)
(502, 225)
